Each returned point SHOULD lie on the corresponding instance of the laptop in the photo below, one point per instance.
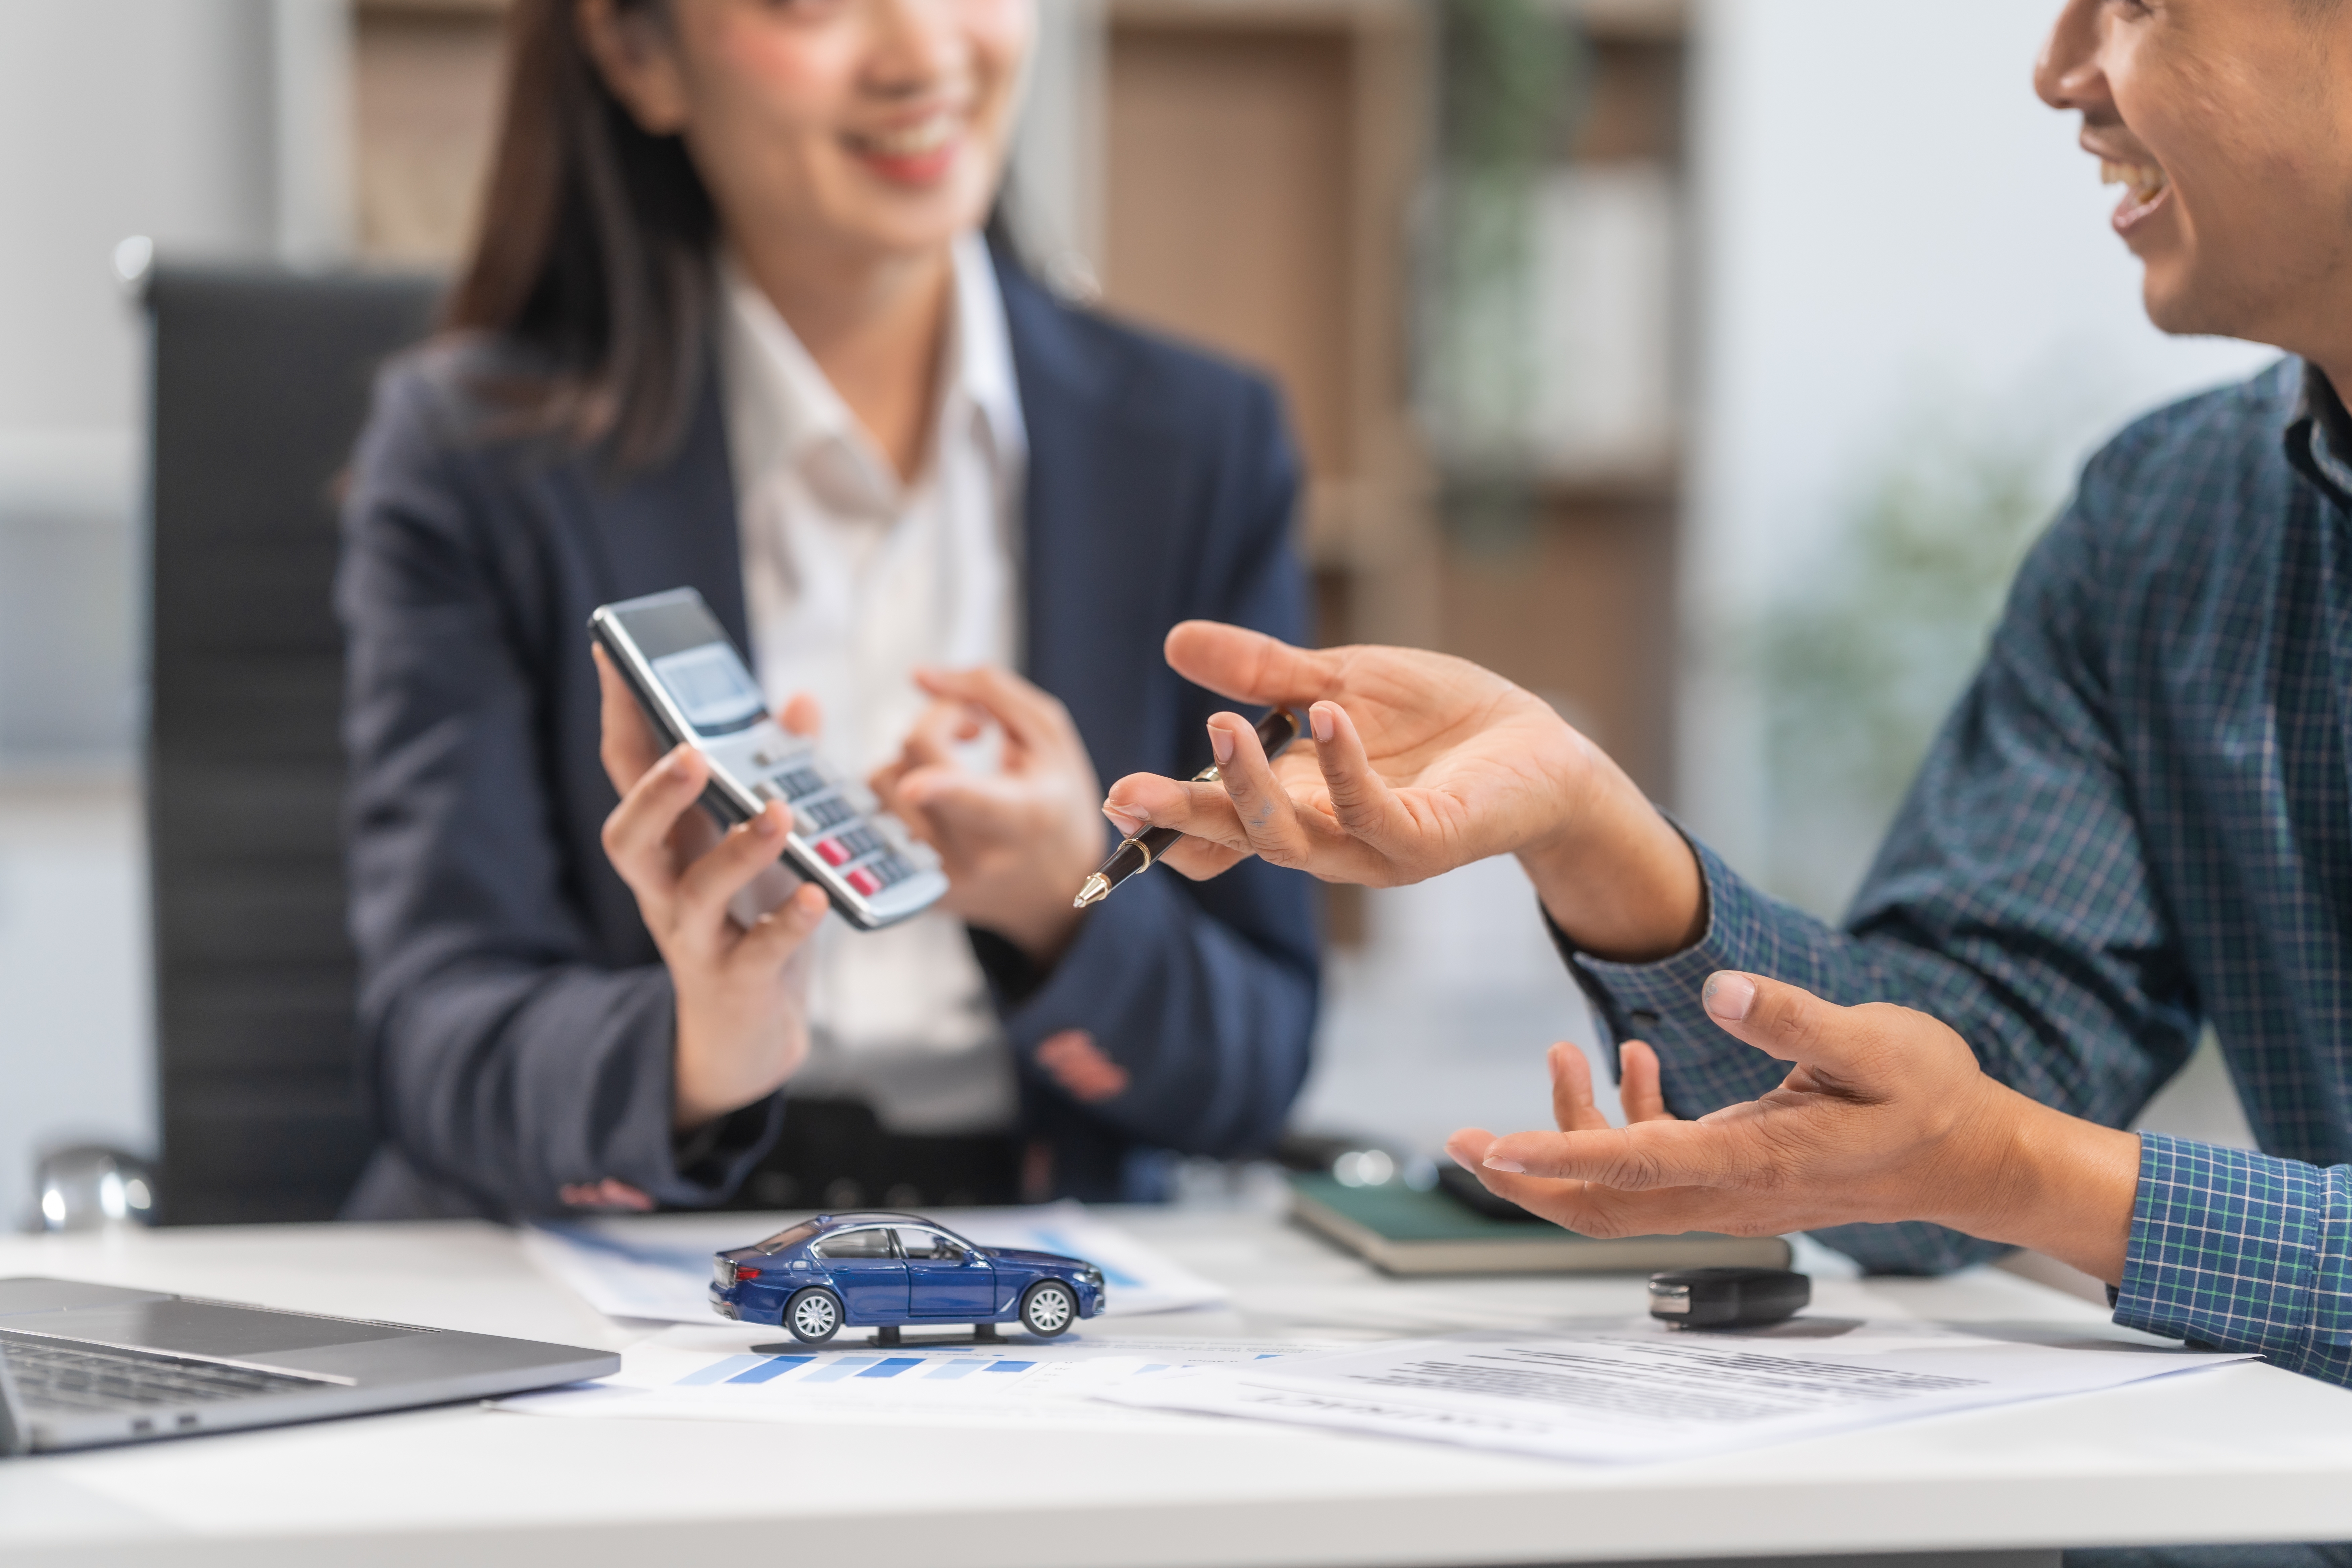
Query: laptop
(82, 1365)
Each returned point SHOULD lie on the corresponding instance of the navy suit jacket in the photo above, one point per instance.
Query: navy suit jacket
(516, 1024)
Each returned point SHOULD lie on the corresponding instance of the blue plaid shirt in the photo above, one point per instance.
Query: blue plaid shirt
(2138, 817)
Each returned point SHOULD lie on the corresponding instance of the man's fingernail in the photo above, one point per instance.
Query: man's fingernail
(1128, 823)
(770, 823)
(1496, 1162)
(1318, 720)
(1221, 744)
(1729, 995)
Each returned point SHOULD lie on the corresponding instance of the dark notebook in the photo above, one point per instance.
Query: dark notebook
(1404, 1231)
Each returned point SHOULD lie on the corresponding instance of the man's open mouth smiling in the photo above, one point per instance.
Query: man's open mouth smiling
(2146, 186)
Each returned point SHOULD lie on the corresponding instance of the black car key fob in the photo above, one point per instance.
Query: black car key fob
(1727, 1298)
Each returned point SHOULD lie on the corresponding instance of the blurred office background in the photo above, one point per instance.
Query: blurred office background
(1703, 367)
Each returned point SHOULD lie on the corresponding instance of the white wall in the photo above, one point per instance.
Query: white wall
(117, 117)
(1897, 241)
(160, 117)
(1055, 183)
(74, 1007)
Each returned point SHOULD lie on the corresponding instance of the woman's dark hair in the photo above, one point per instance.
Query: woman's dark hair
(593, 248)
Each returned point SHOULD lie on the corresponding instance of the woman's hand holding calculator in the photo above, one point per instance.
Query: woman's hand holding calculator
(741, 1030)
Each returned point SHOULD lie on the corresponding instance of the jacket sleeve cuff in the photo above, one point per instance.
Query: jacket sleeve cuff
(639, 1144)
(711, 1162)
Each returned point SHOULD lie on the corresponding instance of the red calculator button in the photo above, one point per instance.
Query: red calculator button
(834, 855)
(866, 882)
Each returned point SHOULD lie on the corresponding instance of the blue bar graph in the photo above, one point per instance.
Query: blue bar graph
(755, 1369)
(776, 1366)
(953, 1369)
(847, 1366)
(892, 1367)
(719, 1371)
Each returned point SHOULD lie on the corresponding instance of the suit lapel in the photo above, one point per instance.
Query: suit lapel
(674, 526)
(1102, 519)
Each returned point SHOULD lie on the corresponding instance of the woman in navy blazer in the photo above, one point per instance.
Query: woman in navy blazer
(566, 444)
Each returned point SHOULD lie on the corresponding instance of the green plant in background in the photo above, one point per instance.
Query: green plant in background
(1858, 664)
(1510, 69)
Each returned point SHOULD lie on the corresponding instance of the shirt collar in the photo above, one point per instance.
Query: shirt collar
(984, 348)
(784, 405)
(2319, 436)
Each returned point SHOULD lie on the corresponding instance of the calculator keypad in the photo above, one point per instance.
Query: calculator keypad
(800, 784)
(835, 832)
(825, 811)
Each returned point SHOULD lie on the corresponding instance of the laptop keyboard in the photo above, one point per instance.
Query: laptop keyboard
(62, 1376)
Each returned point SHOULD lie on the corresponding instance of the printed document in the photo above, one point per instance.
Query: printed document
(1637, 1390)
(659, 1268)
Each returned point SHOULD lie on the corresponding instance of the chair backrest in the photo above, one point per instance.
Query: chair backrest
(260, 381)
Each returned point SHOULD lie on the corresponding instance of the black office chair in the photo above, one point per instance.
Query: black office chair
(259, 382)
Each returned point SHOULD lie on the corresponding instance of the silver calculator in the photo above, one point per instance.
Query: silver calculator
(696, 689)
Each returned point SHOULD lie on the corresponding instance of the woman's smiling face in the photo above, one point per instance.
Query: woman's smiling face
(2228, 124)
(860, 126)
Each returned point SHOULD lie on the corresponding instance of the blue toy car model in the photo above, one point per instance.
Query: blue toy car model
(889, 1271)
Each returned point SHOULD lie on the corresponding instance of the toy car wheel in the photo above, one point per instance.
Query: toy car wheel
(813, 1315)
(1048, 1308)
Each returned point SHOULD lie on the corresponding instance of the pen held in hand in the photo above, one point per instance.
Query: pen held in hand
(1275, 731)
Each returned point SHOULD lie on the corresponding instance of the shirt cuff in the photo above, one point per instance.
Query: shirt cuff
(1659, 1002)
(2241, 1250)
(703, 1165)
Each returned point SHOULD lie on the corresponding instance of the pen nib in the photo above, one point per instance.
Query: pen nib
(1097, 890)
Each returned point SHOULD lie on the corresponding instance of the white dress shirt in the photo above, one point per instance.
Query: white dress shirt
(852, 578)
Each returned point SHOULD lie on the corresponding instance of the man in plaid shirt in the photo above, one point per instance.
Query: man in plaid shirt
(2138, 818)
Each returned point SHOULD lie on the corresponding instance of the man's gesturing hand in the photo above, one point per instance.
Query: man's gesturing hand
(1419, 762)
(740, 1027)
(1885, 1115)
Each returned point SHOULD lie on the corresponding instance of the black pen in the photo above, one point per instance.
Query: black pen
(1275, 731)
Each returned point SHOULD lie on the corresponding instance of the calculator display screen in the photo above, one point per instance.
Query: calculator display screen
(711, 687)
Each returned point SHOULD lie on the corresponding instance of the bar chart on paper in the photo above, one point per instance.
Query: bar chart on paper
(737, 1370)
(716, 1373)
(751, 1369)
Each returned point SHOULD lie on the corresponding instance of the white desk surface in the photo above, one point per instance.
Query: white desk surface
(2240, 1453)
